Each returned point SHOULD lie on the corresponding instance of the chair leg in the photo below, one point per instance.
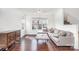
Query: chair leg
(37, 41)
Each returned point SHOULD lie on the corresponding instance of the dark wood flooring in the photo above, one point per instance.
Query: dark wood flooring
(29, 43)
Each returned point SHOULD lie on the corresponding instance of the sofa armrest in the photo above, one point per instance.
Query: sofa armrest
(66, 40)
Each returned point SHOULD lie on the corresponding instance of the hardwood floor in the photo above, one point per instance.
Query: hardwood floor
(29, 43)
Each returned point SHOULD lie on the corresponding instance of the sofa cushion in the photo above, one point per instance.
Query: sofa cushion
(56, 31)
(69, 34)
(62, 33)
(51, 30)
(55, 39)
(56, 35)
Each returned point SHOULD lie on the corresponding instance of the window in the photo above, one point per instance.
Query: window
(39, 23)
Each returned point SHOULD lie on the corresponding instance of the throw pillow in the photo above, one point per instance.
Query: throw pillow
(69, 33)
(51, 30)
(56, 31)
(62, 33)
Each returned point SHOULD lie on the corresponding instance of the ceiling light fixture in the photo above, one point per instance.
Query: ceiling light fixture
(38, 11)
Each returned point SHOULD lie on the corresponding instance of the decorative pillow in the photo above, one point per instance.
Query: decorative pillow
(56, 31)
(62, 33)
(51, 30)
(69, 33)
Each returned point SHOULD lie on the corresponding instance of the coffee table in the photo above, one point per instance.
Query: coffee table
(42, 37)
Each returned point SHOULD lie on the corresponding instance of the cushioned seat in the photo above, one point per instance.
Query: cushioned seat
(62, 38)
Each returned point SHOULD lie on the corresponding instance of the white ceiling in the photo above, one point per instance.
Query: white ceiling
(35, 10)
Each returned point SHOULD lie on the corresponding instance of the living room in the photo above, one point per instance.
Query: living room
(34, 27)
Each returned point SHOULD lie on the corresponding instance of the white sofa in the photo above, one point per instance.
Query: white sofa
(61, 38)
